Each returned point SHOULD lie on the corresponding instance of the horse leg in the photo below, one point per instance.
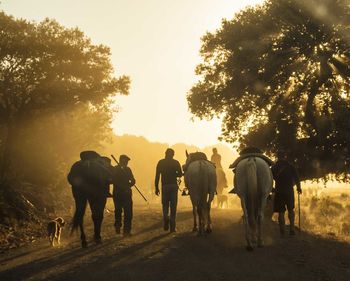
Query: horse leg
(195, 228)
(97, 206)
(260, 228)
(209, 229)
(261, 224)
(200, 219)
(247, 226)
(80, 207)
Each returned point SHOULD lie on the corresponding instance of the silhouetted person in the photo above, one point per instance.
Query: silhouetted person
(216, 158)
(285, 176)
(170, 170)
(123, 180)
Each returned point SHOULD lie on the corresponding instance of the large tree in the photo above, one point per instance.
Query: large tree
(46, 68)
(278, 74)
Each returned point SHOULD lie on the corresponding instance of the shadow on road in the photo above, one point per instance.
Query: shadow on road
(152, 254)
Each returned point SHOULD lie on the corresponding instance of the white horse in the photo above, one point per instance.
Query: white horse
(253, 182)
(200, 179)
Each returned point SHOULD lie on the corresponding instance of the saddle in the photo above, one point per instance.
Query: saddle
(254, 154)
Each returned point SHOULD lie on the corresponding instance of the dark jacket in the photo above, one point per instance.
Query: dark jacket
(122, 179)
(285, 176)
(170, 170)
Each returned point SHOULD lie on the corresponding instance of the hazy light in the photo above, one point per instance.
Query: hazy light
(157, 43)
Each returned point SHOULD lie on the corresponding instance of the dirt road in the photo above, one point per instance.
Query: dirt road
(152, 254)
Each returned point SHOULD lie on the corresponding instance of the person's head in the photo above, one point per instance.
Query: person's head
(89, 155)
(169, 153)
(215, 150)
(123, 160)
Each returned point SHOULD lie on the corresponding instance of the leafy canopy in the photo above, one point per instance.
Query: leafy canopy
(45, 65)
(279, 74)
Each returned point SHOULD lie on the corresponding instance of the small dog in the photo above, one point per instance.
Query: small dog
(54, 229)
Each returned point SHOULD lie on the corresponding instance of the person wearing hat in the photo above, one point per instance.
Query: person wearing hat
(123, 180)
(170, 170)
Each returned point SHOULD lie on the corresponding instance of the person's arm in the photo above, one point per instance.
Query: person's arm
(179, 170)
(132, 180)
(156, 182)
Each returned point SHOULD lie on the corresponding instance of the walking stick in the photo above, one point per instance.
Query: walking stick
(144, 198)
(299, 211)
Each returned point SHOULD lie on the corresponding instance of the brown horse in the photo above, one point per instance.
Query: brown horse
(90, 178)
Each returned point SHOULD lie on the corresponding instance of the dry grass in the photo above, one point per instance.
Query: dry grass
(326, 212)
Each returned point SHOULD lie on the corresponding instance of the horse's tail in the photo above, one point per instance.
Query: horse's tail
(252, 186)
(203, 184)
(75, 223)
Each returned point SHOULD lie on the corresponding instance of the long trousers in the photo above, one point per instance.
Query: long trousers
(123, 203)
(169, 201)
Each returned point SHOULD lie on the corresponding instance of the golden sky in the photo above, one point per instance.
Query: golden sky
(156, 43)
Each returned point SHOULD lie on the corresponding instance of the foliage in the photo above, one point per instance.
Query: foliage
(279, 74)
(47, 69)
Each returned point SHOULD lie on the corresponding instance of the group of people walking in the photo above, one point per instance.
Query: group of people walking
(91, 176)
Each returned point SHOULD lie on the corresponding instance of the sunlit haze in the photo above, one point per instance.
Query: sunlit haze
(156, 43)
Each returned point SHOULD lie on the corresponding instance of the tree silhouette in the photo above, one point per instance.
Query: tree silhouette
(279, 75)
(45, 67)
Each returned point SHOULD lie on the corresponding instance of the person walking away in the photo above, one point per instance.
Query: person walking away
(169, 170)
(123, 179)
(285, 176)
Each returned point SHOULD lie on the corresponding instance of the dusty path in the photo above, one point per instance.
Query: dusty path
(152, 254)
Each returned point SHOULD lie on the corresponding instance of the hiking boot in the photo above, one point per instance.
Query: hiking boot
(127, 234)
(292, 232)
(173, 230)
(117, 230)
